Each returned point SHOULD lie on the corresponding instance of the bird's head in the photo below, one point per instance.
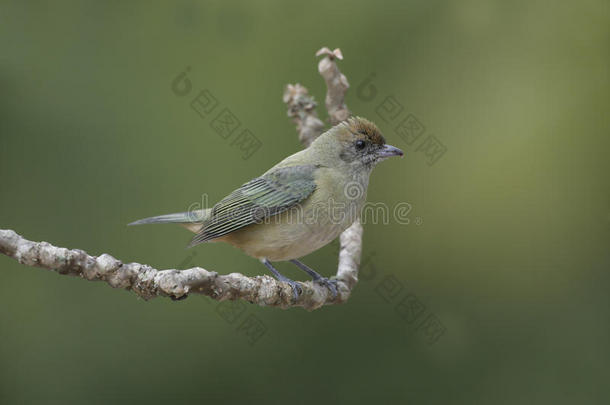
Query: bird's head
(359, 142)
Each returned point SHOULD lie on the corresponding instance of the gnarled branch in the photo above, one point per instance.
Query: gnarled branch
(302, 109)
(336, 85)
(148, 282)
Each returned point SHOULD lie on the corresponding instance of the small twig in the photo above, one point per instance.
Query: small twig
(302, 110)
(336, 85)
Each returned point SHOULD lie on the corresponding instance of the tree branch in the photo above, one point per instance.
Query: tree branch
(148, 282)
(336, 85)
(302, 109)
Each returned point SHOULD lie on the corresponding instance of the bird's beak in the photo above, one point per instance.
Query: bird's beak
(389, 151)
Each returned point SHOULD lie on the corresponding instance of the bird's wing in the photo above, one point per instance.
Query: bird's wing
(272, 193)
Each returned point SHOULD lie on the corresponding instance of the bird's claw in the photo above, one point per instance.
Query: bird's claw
(332, 285)
(296, 288)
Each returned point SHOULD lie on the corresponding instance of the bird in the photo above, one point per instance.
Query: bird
(299, 205)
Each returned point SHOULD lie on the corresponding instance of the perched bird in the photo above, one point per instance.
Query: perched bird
(299, 205)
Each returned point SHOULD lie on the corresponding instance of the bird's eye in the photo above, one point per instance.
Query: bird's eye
(360, 144)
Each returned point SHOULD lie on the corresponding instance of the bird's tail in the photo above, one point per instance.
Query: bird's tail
(191, 220)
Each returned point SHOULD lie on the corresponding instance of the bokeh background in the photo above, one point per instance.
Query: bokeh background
(495, 292)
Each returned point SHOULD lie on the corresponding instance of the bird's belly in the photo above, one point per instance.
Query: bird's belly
(283, 238)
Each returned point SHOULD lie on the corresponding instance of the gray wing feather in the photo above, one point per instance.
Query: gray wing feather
(262, 197)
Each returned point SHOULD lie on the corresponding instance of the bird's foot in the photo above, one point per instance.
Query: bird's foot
(318, 278)
(332, 285)
(296, 287)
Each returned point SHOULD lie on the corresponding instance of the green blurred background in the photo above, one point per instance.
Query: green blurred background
(506, 251)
